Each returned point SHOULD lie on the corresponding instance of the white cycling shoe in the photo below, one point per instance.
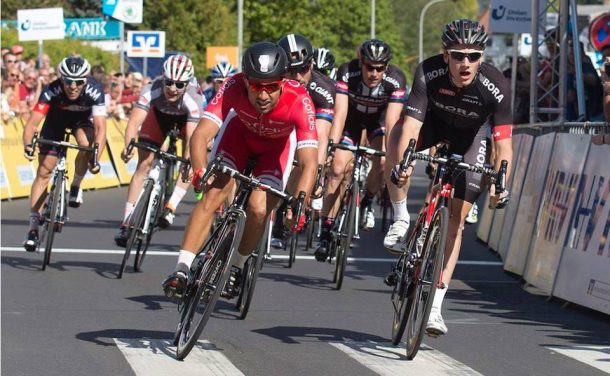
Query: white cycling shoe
(473, 214)
(396, 235)
(369, 219)
(436, 325)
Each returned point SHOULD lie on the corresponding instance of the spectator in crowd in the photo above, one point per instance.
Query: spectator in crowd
(522, 90)
(12, 92)
(113, 98)
(593, 89)
(46, 62)
(17, 50)
(4, 51)
(9, 60)
(98, 72)
(30, 88)
(45, 77)
(7, 92)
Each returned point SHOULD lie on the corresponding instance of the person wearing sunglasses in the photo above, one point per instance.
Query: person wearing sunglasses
(324, 62)
(456, 99)
(258, 116)
(370, 96)
(76, 101)
(321, 89)
(219, 73)
(170, 100)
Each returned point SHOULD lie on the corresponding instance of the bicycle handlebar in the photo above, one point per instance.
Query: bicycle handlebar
(358, 149)
(157, 151)
(64, 144)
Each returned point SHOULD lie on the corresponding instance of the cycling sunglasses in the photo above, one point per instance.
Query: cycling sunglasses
(69, 82)
(378, 68)
(179, 84)
(267, 87)
(472, 56)
(299, 70)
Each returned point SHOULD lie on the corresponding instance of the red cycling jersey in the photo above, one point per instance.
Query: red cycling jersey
(270, 138)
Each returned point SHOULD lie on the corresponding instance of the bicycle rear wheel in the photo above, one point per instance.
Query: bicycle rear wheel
(426, 280)
(54, 215)
(402, 294)
(204, 287)
(135, 225)
(345, 236)
(250, 273)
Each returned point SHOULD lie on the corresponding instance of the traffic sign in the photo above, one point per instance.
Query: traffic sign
(599, 31)
(146, 43)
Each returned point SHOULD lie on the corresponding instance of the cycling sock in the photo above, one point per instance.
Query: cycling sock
(367, 199)
(327, 224)
(400, 210)
(240, 260)
(129, 206)
(185, 259)
(77, 180)
(439, 296)
(177, 196)
(34, 221)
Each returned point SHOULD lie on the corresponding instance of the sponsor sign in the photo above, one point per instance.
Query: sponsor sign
(217, 54)
(583, 276)
(599, 31)
(40, 24)
(519, 169)
(92, 28)
(557, 205)
(529, 202)
(146, 43)
(129, 11)
(511, 16)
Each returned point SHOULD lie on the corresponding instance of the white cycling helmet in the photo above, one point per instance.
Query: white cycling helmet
(74, 67)
(178, 68)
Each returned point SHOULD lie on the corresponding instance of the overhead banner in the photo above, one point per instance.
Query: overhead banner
(511, 16)
(527, 141)
(40, 24)
(217, 54)
(529, 202)
(129, 11)
(92, 28)
(583, 276)
(557, 206)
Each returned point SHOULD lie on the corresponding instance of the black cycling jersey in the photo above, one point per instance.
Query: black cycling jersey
(459, 108)
(62, 113)
(322, 91)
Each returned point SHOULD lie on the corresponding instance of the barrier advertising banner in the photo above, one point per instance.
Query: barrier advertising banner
(529, 202)
(519, 170)
(497, 226)
(16, 168)
(565, 171)
(584, 271)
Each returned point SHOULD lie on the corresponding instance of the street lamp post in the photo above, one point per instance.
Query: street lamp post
(421, 28)
(240, 31)
(372, 19)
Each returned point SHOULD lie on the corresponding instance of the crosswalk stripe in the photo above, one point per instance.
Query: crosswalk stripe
(593, 355)
(274, 256)
(156, 357)
(386, 359)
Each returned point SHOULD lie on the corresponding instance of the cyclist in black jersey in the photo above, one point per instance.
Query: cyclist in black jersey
(324, 62)
(370, 96)
(321, 89)
(455, 99)
(76, 101)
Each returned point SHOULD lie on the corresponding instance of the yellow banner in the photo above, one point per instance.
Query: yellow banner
(16, 169)
(217, 54)
(115, 133)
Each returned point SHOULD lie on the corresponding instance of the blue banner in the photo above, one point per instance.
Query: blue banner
(92, 28)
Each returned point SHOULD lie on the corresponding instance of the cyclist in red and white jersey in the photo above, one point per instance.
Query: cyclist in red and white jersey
(171, 99)
(455, 99)
(257, 115)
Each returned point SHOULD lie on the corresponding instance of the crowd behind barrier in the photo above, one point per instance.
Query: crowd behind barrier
(555, 231)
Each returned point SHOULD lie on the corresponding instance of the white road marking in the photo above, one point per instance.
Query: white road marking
(385, 359)
(152, 357)
(593, 355)
(274, 256)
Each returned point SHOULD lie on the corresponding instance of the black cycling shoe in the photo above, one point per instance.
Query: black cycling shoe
(174, 285)
(321, 253)
(31, 241)
(391, 279)
(121, 236)
(233, 286)
(167, 219)
(75, 198)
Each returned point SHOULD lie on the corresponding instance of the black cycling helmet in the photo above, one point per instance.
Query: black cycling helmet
(323, 60)
(375, 51)
(264, 60)
(464, 32)
(298, 50)
(74, 67)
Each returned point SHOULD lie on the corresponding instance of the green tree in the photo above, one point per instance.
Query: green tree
(72, 8)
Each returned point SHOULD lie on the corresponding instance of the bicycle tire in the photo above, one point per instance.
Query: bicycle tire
(143, 245)
(386, 209)
(430, 270)
(311, 230)
(205, 280)
(135, 224)
(251, 270)
(345, 238)
(54, 197)
(402, 294)
(170, 182)
(292, 255)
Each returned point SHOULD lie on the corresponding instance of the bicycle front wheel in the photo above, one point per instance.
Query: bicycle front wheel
(426, 280)
(51, 222)
(135, 225)
(292, 255)
(345, 238)
(251, 270)
(204, 287)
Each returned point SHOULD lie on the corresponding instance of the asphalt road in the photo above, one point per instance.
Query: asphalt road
(76, 318)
